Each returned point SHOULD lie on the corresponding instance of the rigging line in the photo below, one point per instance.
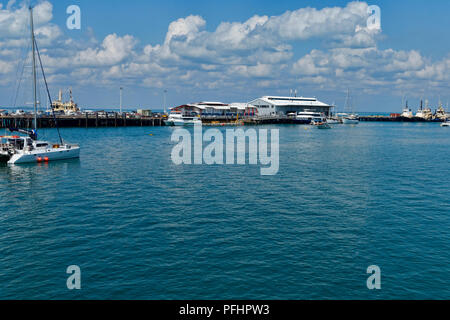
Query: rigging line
(19, 84)
(19, 79)
(48, 92)
(22, 59)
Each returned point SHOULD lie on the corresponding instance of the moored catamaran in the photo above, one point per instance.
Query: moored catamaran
(28, 149)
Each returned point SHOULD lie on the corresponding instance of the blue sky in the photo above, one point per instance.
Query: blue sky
(235, 51)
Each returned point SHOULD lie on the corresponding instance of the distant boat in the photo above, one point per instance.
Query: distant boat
(441, 114)
(28, 149)
(423, 114)
(407, 112)
(333, 120)
(177, 119)
(351, 118)
(321, 125)
(446, 124)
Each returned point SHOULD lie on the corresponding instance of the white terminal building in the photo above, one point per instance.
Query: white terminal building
(274, 105)
(264, 106)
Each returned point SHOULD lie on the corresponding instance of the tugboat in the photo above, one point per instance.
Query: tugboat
(28, 149)
(441, 114)
(407, 114)
(67, 108)
(424, 114)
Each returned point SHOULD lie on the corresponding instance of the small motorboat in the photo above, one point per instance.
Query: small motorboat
(446, 124)
(321, 124)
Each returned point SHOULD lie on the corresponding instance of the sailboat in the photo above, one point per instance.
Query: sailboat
(18, 149)
(351, 118)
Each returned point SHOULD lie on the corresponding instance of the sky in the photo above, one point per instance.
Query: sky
(231, 51)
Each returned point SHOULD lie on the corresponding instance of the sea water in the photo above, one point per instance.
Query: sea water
(141, 227)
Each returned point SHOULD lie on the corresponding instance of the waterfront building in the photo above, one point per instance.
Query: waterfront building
(205, 109)
(280, 106)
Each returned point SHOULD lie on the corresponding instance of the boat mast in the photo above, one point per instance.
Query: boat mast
(34, 69)
(347, 102)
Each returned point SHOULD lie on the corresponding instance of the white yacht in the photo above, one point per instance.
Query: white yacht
(178, 119)
(349, 118)
(446, 124)
(28, 149)
(310, 116)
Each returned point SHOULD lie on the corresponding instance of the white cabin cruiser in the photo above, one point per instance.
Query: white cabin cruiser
(309, 116)
(178, 119)
(350, 119)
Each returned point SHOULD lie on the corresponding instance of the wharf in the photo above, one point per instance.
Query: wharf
(80, 121)
(396, 119)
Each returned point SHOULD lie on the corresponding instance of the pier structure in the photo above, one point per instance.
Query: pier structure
(80, 121)
(123, 120)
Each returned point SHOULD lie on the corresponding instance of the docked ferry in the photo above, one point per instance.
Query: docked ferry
(308, 117)
(178, 119)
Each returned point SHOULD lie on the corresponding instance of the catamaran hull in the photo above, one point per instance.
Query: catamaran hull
(37, 156)
(4, 158)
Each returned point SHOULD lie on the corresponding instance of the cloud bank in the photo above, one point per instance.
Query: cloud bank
(260, 53)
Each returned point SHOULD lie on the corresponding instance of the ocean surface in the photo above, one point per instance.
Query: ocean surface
(141, 227)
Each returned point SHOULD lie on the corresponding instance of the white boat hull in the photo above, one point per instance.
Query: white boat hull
(445, 124)
(350, 121)
(62, 153)
(183, 123)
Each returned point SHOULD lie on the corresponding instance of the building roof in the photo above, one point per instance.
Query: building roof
(293, 101)
(216, 105)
